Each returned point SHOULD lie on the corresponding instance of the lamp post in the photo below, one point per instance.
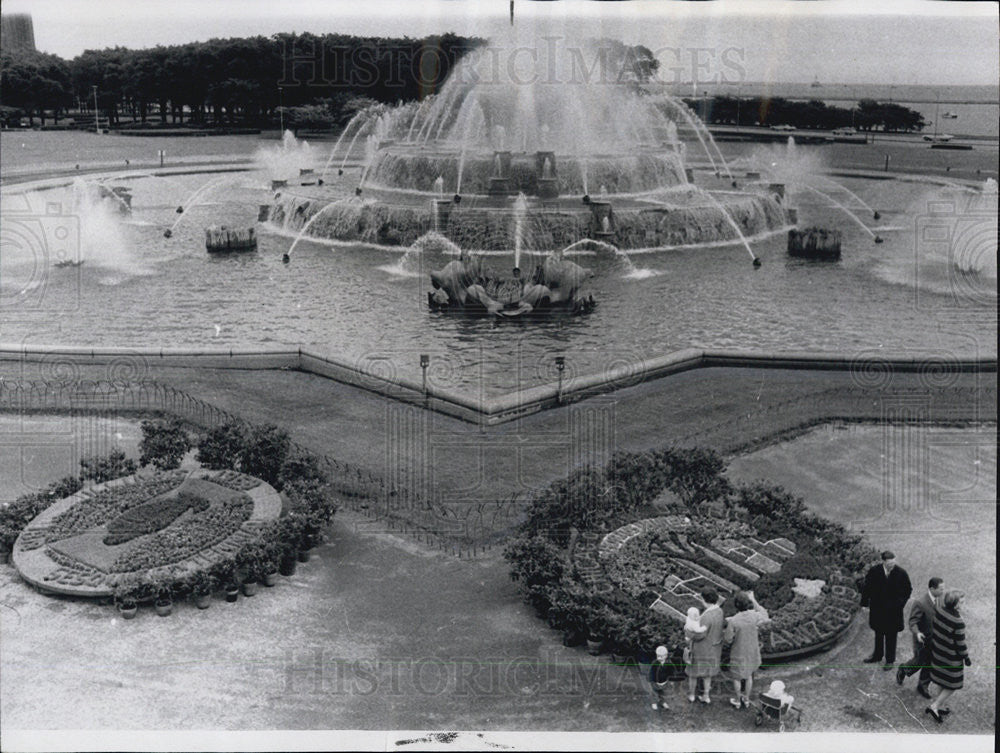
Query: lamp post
(425, 361)
(560, 367)
(97, 118)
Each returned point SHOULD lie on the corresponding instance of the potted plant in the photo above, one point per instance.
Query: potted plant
(597, 627)
(232, 591)
(224, 572)
(163, 587)
(271, 556)
(200, 584)
(249, 567)
(289, 532)
(128, 592)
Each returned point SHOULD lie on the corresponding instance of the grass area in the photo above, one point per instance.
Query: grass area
(927, 493)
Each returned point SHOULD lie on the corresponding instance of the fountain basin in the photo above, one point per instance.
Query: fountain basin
(488, 223)
(417, 169)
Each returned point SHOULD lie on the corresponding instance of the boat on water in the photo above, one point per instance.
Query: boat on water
(949, 115)
(68, 263)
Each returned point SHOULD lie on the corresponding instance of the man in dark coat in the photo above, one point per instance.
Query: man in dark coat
(885, 592)
(921, 625)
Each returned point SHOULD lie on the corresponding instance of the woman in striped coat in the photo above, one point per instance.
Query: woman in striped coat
(948, 653)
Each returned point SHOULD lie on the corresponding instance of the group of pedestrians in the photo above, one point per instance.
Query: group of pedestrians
(936, 627)
(706, 634)
(935, 624)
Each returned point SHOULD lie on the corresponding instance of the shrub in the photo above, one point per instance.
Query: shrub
(223, 446)
(265, 452)
(14, 516)
(107, 467)
(163, 444)
(536, 564)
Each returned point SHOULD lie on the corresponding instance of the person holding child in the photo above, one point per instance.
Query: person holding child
(741, 633)
(706, 647)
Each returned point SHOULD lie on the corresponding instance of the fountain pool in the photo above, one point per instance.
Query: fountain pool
(921, 292)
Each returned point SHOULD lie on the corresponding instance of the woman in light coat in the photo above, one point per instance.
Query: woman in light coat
(742, 635)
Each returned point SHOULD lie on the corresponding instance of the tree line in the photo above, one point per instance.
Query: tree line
(225, 81)
(867, 115)
(320, 81)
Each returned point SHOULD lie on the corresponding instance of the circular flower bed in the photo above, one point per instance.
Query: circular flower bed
(185, 521)
(618, 555)
(673, 559)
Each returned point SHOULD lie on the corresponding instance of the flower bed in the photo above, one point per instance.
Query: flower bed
(201, 530)
(151, 516)
(108, 502)
(83, 543)
(754, 537)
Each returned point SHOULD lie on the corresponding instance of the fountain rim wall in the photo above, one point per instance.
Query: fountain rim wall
(512, 405)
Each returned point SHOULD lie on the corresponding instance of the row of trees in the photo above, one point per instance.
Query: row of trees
(867, 115)
(229, 80)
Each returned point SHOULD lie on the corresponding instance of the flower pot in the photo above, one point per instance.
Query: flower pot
(288, 565)
(270, 579)
(304, 555)
(232, 593)
(594, 646)
(128, 612)
(163, 607)
(203, 601)
(249, 588)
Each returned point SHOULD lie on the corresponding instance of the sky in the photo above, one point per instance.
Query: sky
(837, 41)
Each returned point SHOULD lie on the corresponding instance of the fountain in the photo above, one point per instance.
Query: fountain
(490, 136)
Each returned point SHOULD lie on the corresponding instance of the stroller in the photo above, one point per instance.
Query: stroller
(776, 706)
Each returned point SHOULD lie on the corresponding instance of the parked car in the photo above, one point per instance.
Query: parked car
(783, 127)
(844, 132)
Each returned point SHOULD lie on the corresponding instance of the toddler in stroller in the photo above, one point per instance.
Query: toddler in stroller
(776, 705)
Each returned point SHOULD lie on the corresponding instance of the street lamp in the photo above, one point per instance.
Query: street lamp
(560, 367)
(425, 361)
(97, 118)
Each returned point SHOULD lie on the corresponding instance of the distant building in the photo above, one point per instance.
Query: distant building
(17, 33)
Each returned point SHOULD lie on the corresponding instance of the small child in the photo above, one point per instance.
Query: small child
(777, 692)
(692, 627)
(659, 673)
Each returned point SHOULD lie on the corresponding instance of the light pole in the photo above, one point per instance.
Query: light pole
(560, 367)
(425, 361)
(97, 116)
